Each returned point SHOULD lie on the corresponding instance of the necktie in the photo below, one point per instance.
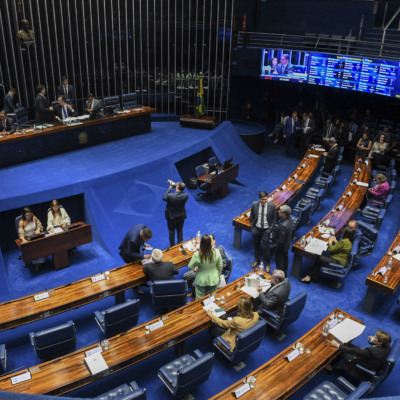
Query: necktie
(283, 69)
(91, 105)
(329, 132)
(66, 92)
(65, 112)
(262, 216)
(292, 125)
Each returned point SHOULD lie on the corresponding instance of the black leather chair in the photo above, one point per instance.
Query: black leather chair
(369, 239)
(22, 118)
(129, 100)
(54, 342)
(228, 269)
(329, 391)
(291, 313)
(3, 358)
(167, 294)
(118, 318)
(303, 211)
(111, 104)
(246, 342)
(204, 186)
(185, 373)
(127, 391)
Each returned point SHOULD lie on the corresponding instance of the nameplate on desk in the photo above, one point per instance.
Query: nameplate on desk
(309, 238)
(242, 390)
(97, 349)
(333, 322)
(96, 363)
(300, 181)
(41, 296)
(292, 355)
(21, 378)
(98, 278)
(362, 184)
(314, 155)
(382, 271)
(303, 165)
(295, 176)
(349, 193)
(156, 325)
(209, 300)
(339, 207)
(358, 170)
(320, 149)
(248, 214)
(283, 187)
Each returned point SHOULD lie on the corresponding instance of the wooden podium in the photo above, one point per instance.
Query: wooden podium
(204, 122)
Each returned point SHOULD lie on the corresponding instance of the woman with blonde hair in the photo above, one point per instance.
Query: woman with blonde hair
(57, 216)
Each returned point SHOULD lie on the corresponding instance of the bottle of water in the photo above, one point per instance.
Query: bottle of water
(198, 237)
(261, 269)
(303, 242)
(390, 263)
(325, 329)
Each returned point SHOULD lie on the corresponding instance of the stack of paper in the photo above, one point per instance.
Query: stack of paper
(347, 330)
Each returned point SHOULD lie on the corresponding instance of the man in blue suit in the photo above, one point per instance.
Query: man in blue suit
(66, 90)
(175, 212)
(284, 67)
(289, 133)
(9, 101)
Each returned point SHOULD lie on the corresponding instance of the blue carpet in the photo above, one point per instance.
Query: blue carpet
(123, 183)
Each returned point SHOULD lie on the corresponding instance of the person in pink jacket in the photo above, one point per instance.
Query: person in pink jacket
(379, 192)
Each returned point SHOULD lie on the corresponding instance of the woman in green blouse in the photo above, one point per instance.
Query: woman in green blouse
(208, 264)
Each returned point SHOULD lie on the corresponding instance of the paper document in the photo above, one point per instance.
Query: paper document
(251, 291)
(96, 363)
(316, 246)
(320, 149)
(213, 307)
(55, 230)
(347, 330)
(146, 261)
(362, 184)
(189, 246)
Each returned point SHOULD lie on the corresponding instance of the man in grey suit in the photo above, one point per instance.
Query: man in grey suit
(263, 218)
(275, 297)
(91, 104)
(175, 212)
(159, 270)
(282, 238)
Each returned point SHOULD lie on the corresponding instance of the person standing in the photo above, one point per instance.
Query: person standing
(307, 130)
(66, 90)
(282, 238)
(175, 211)
(289, 133)
(263, 218)
(44, 111)
(331, 156)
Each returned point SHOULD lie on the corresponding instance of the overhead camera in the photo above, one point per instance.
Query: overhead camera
(171, 183)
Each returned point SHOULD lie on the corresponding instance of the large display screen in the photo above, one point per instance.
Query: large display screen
(334, 70)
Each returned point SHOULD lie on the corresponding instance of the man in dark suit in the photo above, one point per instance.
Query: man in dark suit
(329, 131)
(175, 212)
(62, 110)
(289, 133)
(158, 270)
(7, 126)
(133, 245)
(331, 156)
(263, 218)
(369, 357)
(91, 104)
(282, 238)
(44, 111)
(306, 131)
(275, 297)
(66, 90)
(9, 101)
(284, 67)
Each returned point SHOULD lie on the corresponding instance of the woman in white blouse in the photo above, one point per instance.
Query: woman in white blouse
(57, 216)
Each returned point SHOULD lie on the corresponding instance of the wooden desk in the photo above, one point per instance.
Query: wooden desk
(279, 196)
(278, 378)
(375, 283)
(24, 310)
(57, 245)
(219, 182)
(69, 372)
(18, 148)
(338, 219)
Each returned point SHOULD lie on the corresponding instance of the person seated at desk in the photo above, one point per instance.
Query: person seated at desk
(57, 216)
(276, 296)
(159, 270)
(229, 329)
(379, 192)
(63, 110)
(378, 151)
(91, 104)
(370, 357)
(6, 124)
(30, 225)
(338, 253)
(209, 266)
(364, 145)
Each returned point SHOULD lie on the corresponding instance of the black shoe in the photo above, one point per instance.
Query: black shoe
(137, 290)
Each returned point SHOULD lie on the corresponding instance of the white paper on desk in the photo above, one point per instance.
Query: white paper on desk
(146, 261)
(189, 246)
(362, 184)
(251, 291)
(96, 363)
(212, 307)
(320, 149)
(315, 156)
(347, 330)
(316, 246)
(55, 230)
(397, 257)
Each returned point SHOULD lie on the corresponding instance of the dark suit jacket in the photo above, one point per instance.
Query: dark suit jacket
(131, 246)
(370, 357)
(43, 114)
(10, 127)
(272, 215)
(175, 205)
(58, 112)
(283, 234)
(275, 297)
(310, 126)
(71, 92)
(331, 159)
(288, 128)
(332, 132)
(9, 103)
(159, 271)
(288, 67)
(96, 105)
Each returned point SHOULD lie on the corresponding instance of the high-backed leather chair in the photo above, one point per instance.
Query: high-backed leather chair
(204, 186)
(129, 100)
(291, 312)
(127, 391)
(228, 269)
(303, 216)
(186, 372)
(111, 103)
(118, 318)
(169, 293)
(246, 342)
(54, 342)
(22, 117)
(369, 239)
(3, 358)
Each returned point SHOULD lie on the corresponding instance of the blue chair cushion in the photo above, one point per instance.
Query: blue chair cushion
(51, 336)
